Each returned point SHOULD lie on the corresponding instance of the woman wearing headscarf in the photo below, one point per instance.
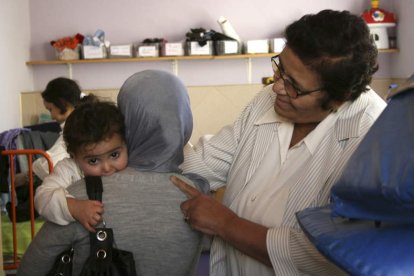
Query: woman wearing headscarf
(140, 203)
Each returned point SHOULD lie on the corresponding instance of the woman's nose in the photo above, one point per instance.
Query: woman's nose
(278, 86)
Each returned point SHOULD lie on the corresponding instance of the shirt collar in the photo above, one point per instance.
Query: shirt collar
(315, 137)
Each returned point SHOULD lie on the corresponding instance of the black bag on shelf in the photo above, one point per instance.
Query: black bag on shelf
(202, 35)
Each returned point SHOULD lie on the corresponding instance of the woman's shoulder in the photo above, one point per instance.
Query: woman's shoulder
(368, 103)
(356, 118)
(376, 104)
(266, 96)
(259, 105)
(133, 177)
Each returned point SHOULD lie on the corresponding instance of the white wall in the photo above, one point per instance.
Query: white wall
(15, 46)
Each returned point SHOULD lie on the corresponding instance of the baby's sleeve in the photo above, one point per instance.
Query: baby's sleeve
(50, 197)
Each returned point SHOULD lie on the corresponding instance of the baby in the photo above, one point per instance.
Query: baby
(94, 134)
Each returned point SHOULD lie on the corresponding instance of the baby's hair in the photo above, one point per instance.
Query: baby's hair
(91, 122)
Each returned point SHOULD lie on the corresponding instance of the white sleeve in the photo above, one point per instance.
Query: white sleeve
(289, 247)
(50, 197)
(213, 156)
(57, 152)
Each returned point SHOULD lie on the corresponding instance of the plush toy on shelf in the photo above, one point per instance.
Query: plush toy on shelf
(378, 20)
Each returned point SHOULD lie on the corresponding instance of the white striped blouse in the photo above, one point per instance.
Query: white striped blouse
(232, 157)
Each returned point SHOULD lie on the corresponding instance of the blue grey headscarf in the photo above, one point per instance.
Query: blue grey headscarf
(158, 120)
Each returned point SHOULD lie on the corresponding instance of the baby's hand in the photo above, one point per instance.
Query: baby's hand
(87, 212)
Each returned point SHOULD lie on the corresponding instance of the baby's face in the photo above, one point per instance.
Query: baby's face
(103, 158)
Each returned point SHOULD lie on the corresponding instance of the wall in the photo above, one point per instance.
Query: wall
(212, 106)
(402, 65)
(131, 21)
(15, 76)
(27, 27)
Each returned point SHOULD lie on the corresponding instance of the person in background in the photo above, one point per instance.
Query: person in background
(141, 204)
(286, 150)
(94, 135)
(60, 98)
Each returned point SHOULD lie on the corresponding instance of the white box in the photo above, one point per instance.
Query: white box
(277, 45)
(116, 51)
(148, 51)
(173, 49)
(257, 46)
(227, 47)
(194, 49)
(93, 52)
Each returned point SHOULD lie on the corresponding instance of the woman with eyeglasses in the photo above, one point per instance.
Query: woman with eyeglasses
(286, 150)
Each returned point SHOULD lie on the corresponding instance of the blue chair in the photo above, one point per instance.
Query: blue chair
(369, 227)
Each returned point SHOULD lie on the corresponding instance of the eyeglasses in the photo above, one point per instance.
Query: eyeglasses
(291, 89)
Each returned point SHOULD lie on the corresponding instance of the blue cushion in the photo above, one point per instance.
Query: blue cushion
(378, 181)
(359, 247)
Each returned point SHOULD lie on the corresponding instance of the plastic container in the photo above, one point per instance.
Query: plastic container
(228, 29)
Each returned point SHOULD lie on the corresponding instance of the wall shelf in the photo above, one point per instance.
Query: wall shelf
(174, 60)
(138, 59)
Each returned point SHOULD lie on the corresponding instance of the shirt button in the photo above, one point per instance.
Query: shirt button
(253, 198)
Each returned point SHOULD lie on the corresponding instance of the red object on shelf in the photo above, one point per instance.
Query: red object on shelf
(67, 42)
(378, 20)
(375, 15)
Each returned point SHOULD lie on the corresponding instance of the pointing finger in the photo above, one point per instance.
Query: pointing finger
(184, 187)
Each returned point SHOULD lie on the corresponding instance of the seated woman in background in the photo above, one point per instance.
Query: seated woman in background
(141, 204)
(60, 98)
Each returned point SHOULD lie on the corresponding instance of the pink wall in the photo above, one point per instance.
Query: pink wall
(402, 64)
(129, 21)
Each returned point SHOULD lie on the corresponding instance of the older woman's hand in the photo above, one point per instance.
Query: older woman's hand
(203, 212)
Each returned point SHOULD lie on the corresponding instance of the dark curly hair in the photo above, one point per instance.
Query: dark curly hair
(62, 92)
(91, 122)
(337, 46)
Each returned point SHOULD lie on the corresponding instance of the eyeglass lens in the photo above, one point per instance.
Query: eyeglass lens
(291, 91)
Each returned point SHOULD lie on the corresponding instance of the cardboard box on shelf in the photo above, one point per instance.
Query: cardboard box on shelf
(260, 46)
(194, 49)
(93, 52)
(120, 51)
(172, 49)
